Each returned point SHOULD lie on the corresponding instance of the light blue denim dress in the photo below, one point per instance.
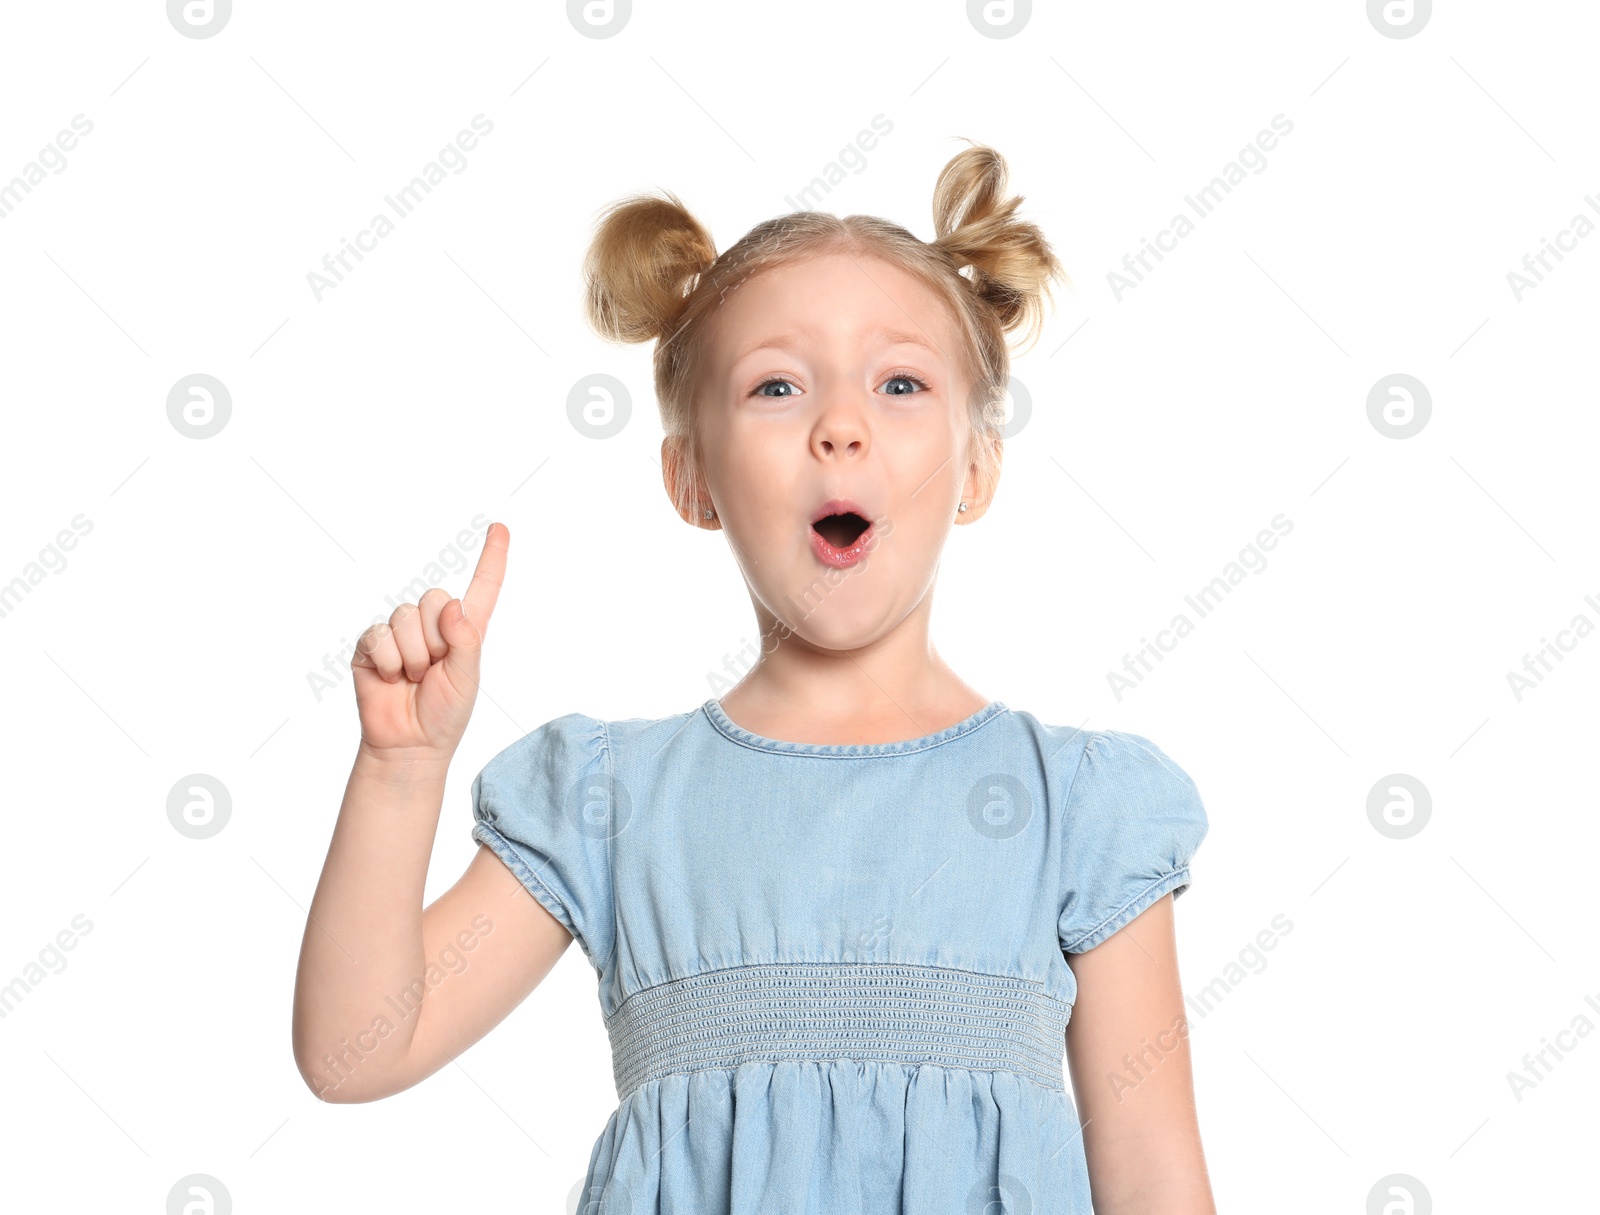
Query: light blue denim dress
(833, 976)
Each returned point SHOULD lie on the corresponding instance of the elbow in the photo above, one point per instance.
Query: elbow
(349, 1071)
(322, 1086)
(340, 1083)
(334, 1090)
(329, 1082)
(329, 1071)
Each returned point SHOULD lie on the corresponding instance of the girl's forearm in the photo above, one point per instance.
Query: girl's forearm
(363, 943)
(1166, 1190)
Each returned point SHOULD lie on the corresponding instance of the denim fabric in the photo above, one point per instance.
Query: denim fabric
(833, 976)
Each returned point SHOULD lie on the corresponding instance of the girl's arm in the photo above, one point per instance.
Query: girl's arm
(1128, 1053)
(387, 991)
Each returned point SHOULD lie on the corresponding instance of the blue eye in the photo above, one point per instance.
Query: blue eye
(773, 380)
(760, 389)
(910, 379)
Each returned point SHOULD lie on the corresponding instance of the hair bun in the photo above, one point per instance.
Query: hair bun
(645, 258)
(1012, 263)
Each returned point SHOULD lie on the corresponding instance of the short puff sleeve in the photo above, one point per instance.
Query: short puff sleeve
(1133, 822)
(543, 806)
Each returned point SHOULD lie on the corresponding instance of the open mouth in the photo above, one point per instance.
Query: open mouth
(841, 531)
(841, 538)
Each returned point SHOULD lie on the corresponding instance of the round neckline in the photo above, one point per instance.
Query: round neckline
(748, 738)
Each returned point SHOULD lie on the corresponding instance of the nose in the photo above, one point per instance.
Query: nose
(841, 430)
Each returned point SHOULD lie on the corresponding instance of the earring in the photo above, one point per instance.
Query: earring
(709, 512)
(963, 506)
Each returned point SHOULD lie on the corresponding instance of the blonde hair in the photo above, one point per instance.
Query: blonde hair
(652, 272)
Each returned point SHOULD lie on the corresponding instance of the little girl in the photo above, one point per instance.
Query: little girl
(847, 919)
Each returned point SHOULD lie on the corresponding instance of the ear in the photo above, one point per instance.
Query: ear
(675, 476)
(977, 491)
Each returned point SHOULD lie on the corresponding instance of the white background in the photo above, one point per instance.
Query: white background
(1167, 429)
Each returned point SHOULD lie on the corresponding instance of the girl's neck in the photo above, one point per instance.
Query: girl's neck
(847, 704)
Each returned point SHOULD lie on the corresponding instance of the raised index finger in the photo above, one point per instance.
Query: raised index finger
(487, 576)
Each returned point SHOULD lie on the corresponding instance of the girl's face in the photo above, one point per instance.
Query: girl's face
(830, 385)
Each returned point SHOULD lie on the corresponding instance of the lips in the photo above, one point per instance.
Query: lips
(841, 532)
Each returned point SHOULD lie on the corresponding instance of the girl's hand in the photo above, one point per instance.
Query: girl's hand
(417, 676)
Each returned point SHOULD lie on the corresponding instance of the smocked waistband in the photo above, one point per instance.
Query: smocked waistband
(824, 1010)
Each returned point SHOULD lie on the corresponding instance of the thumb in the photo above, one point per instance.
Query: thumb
(466, 644)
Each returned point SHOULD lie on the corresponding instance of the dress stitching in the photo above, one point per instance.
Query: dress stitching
(749, 739)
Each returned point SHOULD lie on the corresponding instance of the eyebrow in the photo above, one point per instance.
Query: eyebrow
(890, 337)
